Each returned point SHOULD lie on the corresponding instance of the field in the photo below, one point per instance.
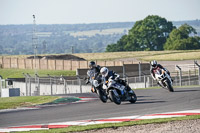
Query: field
(174, 55)
(100, 32)
(144, 55)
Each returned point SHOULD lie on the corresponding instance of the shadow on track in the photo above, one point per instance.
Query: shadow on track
(185, 90)
(144, 102)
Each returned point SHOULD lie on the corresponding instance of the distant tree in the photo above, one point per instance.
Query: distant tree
(119, 46)
(148, 34)
(180, 39)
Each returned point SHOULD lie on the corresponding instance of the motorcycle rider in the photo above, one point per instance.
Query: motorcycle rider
(96, 69)
(154, 66)
(106, 74)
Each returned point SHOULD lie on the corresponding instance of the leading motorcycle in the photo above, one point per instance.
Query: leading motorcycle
(164, 79)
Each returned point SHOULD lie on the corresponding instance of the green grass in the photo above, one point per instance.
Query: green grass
(14, 102)
(116, 125)
(17, 73)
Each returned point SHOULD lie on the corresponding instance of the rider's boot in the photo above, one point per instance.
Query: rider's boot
(93, 90)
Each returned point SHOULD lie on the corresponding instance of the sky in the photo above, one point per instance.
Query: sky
(95, 11)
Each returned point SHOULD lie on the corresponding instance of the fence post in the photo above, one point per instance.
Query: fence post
(148, 81)
(26, 83)
(139, 68)
(199, 70)
(145, 85)
(177, 78)
(124, 72)
(180, 75)
(189, 77)
(50, 84)
(64, 83)
(79, 80)
(65, 86)
(38, 84)
(29, 77)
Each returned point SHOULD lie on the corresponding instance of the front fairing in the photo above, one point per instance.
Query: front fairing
(160, 74)
(114, 85)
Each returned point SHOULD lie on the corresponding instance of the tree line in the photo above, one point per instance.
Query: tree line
(156, 33)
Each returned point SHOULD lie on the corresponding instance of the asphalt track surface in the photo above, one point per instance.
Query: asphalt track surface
(149, 101)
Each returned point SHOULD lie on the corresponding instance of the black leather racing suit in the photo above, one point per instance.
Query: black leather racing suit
(115, 76)
(154, 68)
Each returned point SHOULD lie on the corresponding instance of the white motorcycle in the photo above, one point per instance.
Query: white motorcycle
(164, 79)
(118, 92)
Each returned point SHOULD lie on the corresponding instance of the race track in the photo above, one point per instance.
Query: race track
(149, 101)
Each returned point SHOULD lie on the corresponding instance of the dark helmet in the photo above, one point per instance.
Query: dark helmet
(92, 64)
(154, 63)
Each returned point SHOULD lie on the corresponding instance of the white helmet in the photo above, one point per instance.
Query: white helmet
(104, 71)
(154, 63)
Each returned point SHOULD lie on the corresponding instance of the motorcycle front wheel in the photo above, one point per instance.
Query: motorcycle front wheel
(116, 99)
(133, 98)
(102, 96)
(169, 86)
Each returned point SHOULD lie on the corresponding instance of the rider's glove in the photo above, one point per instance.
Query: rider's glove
(117, 78)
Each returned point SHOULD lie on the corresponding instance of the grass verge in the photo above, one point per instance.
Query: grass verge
(18, 73)
(14, 102)
(116, 125)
